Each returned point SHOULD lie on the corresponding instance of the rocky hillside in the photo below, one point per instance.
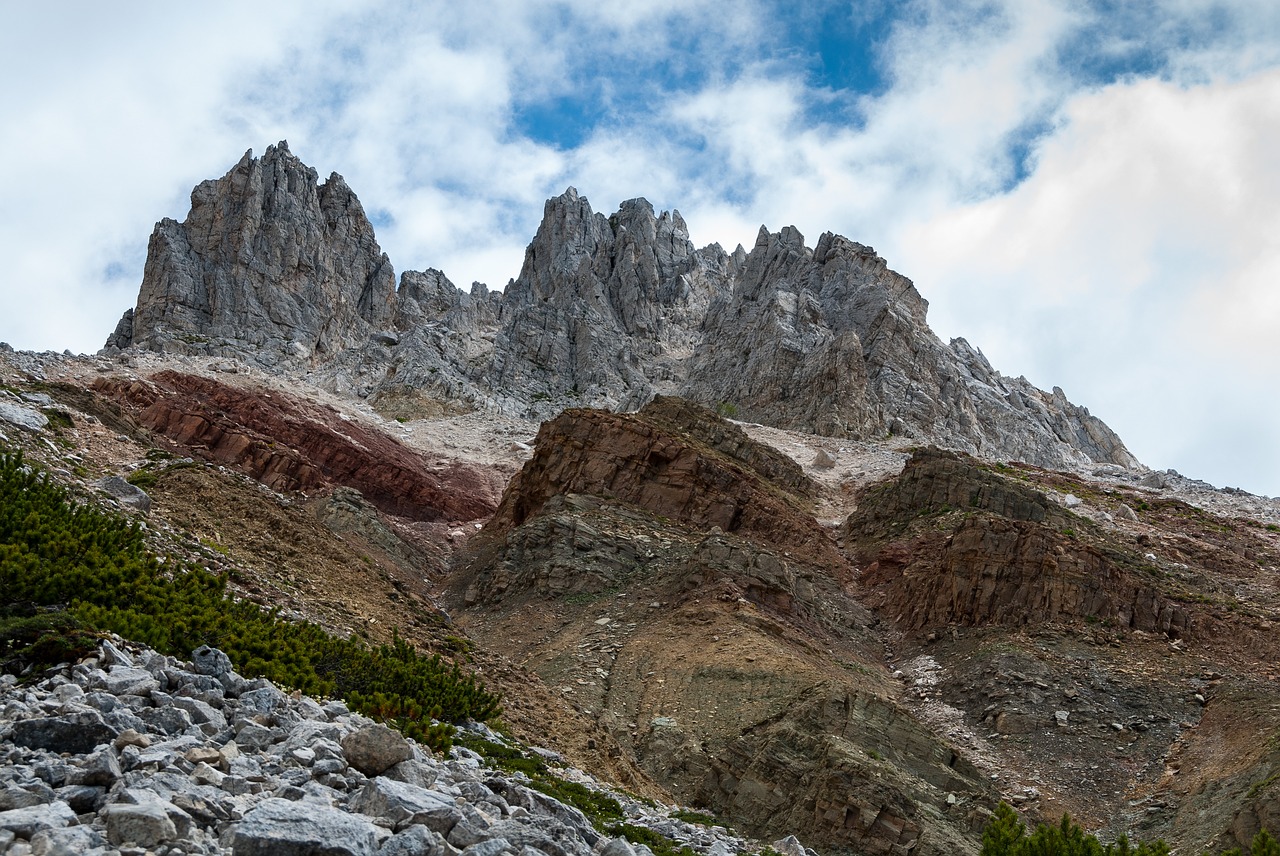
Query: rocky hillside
(732, 530)
(273, 269)
(130, 751)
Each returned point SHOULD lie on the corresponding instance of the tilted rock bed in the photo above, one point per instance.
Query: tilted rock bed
(132, 752)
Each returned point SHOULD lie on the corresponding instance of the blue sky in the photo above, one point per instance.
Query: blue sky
(1085, 190)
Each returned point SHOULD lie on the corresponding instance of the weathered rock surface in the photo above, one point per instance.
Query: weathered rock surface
(606, 312)
(650, 461)
(290, 444)
(126, 494)
(660, 550)
(23, 417)
(995, 551)
(267, 262)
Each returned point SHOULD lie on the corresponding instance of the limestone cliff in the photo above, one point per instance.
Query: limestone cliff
(268, 264)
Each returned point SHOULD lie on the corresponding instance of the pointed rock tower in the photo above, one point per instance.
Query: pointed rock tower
(268, 262)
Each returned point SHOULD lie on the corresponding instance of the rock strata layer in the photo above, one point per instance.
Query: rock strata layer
(665, 572)
(291, 444)
(950, 541)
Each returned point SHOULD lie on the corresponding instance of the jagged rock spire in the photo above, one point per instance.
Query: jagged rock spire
(267, 260)
(606, 312)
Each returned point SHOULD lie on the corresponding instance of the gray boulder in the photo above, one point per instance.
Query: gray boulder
(23, 417)
(406, 805)
(72, 841)
(374, 749)
(126, 494)
(76, 733)
(126, 680)
(415, 841)
(207, 660)
(26, 822)
(279, 827)
(102, 767)
(145, 825)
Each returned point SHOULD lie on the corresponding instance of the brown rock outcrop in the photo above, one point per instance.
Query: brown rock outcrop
(879, 783)
(952, 542)
(289, 444)
(632, 459)
(663, 571)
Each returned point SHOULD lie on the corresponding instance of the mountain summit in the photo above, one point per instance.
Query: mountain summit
(274, 269)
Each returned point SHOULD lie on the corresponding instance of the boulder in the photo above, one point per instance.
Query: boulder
(126, 494)
(77, 733)
(23, 417)
(126, 680)
(207, 660)
(374, 749)
(279, 827)
(26, 822)
(145, 825)
(406, 805)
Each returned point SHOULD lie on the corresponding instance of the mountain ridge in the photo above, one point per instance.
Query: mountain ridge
(607, 311)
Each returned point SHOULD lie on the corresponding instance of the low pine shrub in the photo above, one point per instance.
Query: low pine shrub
(96, 566)
(1006, 835)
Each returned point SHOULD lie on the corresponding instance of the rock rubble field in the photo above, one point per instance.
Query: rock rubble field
(131, 752)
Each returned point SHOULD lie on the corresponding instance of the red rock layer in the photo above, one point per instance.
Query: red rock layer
(289, 444)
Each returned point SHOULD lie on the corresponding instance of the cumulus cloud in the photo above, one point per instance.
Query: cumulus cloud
(1081, 189)
(1136, 265)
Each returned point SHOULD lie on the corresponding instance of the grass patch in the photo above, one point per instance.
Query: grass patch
(701, 818)
(143, 479)
(59, 420)
(660, 844)
(600, 808)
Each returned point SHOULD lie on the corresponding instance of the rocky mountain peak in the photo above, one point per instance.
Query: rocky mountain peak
(268, 264)
(607, 311)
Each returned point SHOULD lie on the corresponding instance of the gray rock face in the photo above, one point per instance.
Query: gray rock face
(282, 828)
(606, 312)
(23, 417)
(605, 308)
(267, 261)
(122, 336)
(128, 494)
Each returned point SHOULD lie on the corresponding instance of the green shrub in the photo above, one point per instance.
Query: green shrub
(143, 479)
(1006, 835)
(600, 808)
(40, 639)
(53, 552)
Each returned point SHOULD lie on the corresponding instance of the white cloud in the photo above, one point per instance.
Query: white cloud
(1135, 265)
(1137, 268)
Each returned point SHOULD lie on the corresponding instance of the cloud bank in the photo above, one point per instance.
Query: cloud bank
(1085, 192)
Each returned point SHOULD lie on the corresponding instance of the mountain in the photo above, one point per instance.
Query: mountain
(733, 530)
(607, 312)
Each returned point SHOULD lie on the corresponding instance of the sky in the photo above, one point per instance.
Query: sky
(1087, 191)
